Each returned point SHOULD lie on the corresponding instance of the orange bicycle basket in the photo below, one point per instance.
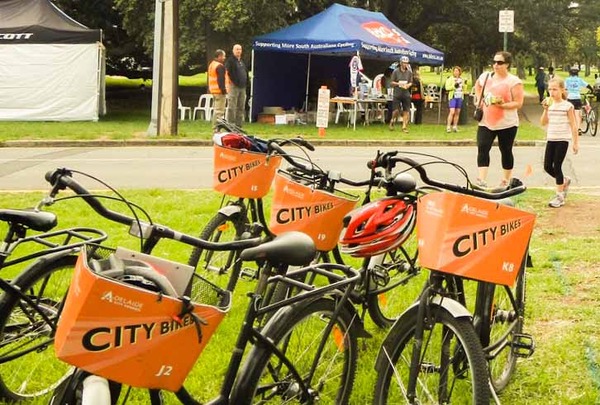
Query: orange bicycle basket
(317, 213)
(472, 237)
(243, 174)
(131, 335)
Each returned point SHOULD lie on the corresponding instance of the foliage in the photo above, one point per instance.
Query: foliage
(548, 32)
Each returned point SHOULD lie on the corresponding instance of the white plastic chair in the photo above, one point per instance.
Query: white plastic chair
(432, 94)
(342, 110)
(205, 107)
(183, 110)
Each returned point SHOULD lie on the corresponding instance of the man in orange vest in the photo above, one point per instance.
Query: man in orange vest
(216, 86)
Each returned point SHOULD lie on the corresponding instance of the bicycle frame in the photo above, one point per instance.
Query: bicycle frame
(251, 333)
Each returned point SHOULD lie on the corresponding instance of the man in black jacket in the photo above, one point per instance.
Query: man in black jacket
(237, 74)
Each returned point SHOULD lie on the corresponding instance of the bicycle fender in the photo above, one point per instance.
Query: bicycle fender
(357, 327)
(455, 308)
(230, 210)
(46, 259)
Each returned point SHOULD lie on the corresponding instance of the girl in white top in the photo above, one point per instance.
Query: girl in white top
(559, 116)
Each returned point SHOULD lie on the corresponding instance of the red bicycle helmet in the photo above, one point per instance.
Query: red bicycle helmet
(232, 140)
(378, 227)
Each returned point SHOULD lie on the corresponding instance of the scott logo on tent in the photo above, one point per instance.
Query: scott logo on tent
(21, 35)
(384, 33)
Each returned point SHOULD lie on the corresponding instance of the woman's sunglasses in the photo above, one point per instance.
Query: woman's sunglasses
(499, 62)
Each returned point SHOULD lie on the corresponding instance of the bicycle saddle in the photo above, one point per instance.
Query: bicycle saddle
(291, 248)
(37, 220)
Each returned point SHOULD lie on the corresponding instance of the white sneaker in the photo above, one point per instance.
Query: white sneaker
(480, 183)
(455, 129)
(557, 202)
(448, 129)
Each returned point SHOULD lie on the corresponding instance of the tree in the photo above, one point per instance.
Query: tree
(546, 32)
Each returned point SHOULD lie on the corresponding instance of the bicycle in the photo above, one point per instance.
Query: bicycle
(242, 170)
(318, 189)
(30, 303)
(317, 323)
(589, 115)
(437, 350)
(386, 265)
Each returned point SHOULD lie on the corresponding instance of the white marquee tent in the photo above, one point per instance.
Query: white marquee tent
(51, 66)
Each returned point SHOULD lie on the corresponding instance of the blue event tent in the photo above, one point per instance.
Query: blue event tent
(290, 64)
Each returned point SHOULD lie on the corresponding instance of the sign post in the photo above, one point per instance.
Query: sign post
(506, 24)
(323, 109)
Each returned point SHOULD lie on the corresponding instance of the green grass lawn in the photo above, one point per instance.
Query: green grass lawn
(128, 117)
(563, 311)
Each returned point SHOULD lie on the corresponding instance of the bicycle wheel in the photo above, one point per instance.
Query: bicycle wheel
(593, 121)
(585, 121)
(297, 332)
(98, 391)
(452, 367)
(390, 294)
(506, 324)
(28, 366)
(221, 228)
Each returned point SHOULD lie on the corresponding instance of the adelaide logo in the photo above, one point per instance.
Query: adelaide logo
(384, 33)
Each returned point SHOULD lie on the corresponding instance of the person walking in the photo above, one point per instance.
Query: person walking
(417, 97)
(217, 87)
(400, 82)
(502, 99)
(549, 76)
(559, 116)
(540, 83)
(573, 86)
(236, 89)
(456, 88)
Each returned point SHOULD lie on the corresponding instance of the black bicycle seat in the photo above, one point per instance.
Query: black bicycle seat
(37, 220)
(291, 248)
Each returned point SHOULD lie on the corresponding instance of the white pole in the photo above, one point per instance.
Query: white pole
(251, 86)
(440, 94)
(156, 68)
(307, 87)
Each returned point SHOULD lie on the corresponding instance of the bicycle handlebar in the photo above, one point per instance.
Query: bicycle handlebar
(61, 179)
(390, 159)
(274, 146)
(315, 170)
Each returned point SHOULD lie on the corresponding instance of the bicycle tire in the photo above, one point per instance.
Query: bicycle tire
(220, 228)
(37, 372)
(70, 391)
(390, 276)
(264, 379)
(503, 364)
(463, 364)
(594, 121)
(585, 121)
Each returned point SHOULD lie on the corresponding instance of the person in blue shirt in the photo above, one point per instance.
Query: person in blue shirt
(573, 86)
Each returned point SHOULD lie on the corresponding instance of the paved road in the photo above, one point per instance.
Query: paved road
(191, 167)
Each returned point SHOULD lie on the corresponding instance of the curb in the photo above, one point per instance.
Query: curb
(209, 143)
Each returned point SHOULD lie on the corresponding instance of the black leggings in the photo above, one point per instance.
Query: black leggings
(506, 139)
(556, 151)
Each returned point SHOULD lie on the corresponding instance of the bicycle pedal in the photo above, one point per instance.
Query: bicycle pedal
(523, 345)
(248, 273)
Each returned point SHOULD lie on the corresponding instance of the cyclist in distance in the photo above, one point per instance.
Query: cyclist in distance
(573, 85)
